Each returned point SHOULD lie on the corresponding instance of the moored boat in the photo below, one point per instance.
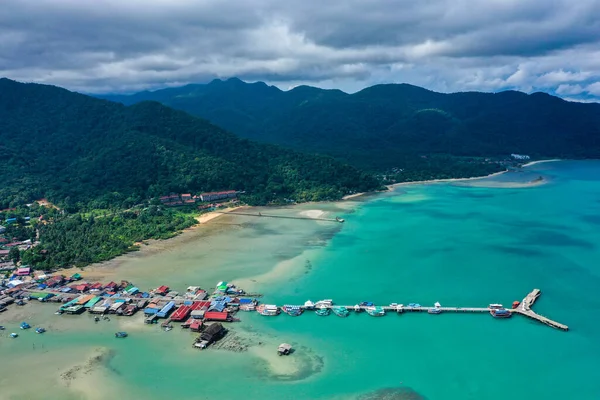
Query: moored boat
(375, 311)
(358, 308)
(25, 325)
(324, 303)
(268, 310)
(14, 335)
(284, 349)
(323, 311)
(340, 311)
(500, 313)
(294, 311)
(40, 330)
(436, 309)
(309, 305)
(121, 335)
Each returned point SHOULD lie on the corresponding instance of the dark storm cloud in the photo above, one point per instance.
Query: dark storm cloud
(115, 45)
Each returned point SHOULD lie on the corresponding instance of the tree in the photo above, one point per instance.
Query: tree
(14, 254)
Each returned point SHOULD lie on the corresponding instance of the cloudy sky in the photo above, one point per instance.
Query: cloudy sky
(445, 45)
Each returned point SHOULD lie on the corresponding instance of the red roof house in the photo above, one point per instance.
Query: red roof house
(216, 316)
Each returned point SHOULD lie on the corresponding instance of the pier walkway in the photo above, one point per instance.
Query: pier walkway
(525, 309)
(282, 216)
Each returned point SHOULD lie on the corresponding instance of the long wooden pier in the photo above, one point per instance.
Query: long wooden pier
(282, 216)
(524, 308)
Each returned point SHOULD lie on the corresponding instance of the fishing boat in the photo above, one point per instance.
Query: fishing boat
(40, 330)
(309, 305)
(284, 349)
(25, 325)
(294, 311)
(340, 311)
(436, 309)
(14, 335)
(375, 311)
(268, 310)
(500, 313)
(324, 303)
(323, 311)
(121, 335)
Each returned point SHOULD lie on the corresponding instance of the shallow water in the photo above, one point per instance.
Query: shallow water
(459, 245)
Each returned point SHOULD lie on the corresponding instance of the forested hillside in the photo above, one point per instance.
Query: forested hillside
(82, 152)
(387, 126)
(101, 163)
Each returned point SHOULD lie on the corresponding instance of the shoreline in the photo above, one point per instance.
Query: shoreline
(394, 185)
(106, 269)
(98, 270)
(204, 218)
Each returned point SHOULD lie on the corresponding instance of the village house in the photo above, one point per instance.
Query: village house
(212, 196)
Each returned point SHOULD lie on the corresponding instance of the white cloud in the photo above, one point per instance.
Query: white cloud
(445, 45)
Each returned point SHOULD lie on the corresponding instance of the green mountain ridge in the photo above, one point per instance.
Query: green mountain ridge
(392, 125)
(84, 152)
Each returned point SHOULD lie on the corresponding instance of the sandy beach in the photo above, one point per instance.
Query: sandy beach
(204, 218)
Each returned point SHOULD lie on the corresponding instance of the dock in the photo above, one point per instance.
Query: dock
(525, 309)
(339, 220)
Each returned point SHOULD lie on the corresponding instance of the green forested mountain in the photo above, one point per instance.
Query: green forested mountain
(83, 152)
(101, 162)
(392, 125)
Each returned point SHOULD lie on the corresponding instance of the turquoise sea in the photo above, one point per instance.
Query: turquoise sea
(462, 244)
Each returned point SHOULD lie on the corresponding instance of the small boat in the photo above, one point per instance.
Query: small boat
(500, 313)
(168, 328)
(294, 311)
(2, 328)
(59, 312)
(96, 319)
(121, 334)
(338, 219)
(366, 304)
(375, 311)
(436, 309)
(358, 308)
(14, 335)
(340, 311)
(20, 303)
(268, 310)
(284, 349)
(323, 311)
(516, 304)
(309, 305)
(326, 303)
(25, 325)
(495, 306)
(40, 330)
